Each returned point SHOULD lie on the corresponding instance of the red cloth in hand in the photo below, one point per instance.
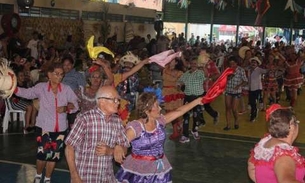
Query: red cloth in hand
(218, 87)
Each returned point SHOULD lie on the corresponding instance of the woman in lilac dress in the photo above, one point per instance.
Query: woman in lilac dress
(147, 162)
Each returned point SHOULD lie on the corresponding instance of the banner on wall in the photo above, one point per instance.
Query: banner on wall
(148, 4)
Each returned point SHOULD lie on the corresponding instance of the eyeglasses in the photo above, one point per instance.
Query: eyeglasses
(114, 100)
(59, 74)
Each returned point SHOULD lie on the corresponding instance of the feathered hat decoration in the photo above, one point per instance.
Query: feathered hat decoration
(94, 52)
(130, 57)
(157, 91)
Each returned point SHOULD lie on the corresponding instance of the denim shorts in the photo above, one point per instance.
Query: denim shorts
(234, 95)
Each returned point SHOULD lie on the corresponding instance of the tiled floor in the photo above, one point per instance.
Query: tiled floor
(218, 157)
(212, 159)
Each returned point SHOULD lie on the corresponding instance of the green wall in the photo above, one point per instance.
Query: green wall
(201, 11)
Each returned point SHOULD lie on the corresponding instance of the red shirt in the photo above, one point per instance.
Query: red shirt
(212, 71)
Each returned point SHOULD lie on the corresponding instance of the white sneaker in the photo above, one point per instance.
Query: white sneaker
(195, 135)
(37, 179)
(184, 139)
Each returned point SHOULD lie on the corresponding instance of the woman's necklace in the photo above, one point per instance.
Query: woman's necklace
(85, 97)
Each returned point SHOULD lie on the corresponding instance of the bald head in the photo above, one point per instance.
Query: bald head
(106, 91)
(107, 99)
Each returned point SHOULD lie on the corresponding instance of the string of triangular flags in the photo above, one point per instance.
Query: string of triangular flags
(259, 5)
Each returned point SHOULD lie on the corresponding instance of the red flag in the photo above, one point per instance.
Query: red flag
(218, 87)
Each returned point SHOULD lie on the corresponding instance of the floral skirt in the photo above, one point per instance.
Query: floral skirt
(50, 145)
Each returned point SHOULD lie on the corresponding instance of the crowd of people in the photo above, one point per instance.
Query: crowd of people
(87, 107)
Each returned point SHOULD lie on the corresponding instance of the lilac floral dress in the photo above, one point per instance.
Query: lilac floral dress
(147, 162)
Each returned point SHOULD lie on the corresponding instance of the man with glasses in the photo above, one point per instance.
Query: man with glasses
(101, 127)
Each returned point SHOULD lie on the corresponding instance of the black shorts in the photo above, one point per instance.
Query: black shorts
(50, 145)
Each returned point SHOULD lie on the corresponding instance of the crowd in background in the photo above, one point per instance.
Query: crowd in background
(263, 73)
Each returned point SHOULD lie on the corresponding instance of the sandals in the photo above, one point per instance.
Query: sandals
(227, 128)
(236, 127)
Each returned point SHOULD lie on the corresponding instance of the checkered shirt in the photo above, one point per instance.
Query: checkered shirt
(238, 77)
(89, 129)
(193, 82)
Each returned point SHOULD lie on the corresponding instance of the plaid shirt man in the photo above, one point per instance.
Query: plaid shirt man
(193, 82)
(238, 77)
(90, 129)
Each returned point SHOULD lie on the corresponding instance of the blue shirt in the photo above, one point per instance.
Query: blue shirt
(74, 79)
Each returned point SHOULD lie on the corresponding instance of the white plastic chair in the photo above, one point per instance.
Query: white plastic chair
(7, 116)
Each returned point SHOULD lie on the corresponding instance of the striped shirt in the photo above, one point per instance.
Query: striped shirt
(193, 82)
(238, 77)
(48, 102)
(89, 129)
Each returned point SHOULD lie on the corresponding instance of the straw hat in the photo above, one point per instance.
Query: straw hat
(257, 60)
(130, 57)
(8, 80)
(242, 51)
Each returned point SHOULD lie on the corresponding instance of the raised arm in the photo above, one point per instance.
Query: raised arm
(169, 117)
(107, 70)
(29, 93)
(134, 69)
